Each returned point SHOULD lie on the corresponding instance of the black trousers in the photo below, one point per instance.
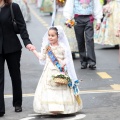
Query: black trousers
(84, 32)
(13, 63)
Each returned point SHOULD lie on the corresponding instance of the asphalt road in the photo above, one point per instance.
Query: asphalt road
(99, 89)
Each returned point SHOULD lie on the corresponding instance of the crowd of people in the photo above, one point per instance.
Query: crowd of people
(57, 91)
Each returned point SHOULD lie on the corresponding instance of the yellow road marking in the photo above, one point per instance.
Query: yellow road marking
(39, 18)
(116, 86)
(104, 75)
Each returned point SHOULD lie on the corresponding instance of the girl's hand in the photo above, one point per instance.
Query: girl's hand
(62, 63)
(63, 73)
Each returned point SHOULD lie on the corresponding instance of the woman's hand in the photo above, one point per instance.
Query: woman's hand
(30, 47)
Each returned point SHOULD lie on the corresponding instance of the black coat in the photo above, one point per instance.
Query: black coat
(9, 42)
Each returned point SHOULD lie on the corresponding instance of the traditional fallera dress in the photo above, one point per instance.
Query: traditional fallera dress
(32, 1)
(59, 19)
(107, 33)
(46, 6)
(50, 96)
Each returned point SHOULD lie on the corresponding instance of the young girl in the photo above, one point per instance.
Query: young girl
(51, 97)
(108, 34)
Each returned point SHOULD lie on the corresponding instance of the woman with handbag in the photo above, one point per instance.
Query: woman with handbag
(57, 91)
(10, 51)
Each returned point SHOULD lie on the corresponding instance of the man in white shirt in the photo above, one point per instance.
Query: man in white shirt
(84, 12)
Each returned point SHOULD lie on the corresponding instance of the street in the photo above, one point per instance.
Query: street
(99, 89)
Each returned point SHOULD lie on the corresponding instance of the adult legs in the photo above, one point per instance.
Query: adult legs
(79, 32)
(2, 104)
(13, 62)
(89, 32)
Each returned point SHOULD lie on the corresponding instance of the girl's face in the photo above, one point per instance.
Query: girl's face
(52, 37)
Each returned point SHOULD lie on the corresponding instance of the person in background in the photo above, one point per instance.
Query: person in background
(58, 19)
(24, 8)
(84, 12)
(46, 6)
(28, 14)
(10, 51)
(108, 34)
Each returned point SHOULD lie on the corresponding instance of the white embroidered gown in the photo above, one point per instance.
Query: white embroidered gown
(50, 96)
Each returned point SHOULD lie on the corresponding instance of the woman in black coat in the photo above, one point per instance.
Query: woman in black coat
(10, 50)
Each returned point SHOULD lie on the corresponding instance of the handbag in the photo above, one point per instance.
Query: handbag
(61, 78)
(15, 26)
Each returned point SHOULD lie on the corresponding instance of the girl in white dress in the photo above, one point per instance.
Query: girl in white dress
(51, 97)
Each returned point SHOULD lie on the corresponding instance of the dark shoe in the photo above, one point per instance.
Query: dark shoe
(92, 66)
(18, 109)
(1, 114)
(83, 66)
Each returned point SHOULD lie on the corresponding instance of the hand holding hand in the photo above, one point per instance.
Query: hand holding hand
(30, 47)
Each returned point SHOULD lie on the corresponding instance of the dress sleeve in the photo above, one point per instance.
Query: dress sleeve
(21, 24)
(98, 14)
(68, 9)
(43, 54)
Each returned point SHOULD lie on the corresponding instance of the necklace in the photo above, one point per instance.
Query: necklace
(2, 6)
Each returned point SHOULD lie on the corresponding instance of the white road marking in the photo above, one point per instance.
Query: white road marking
(28, 118)
(76, 117)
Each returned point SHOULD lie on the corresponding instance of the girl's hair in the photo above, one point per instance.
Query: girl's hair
(55, 29)
(7, 1)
